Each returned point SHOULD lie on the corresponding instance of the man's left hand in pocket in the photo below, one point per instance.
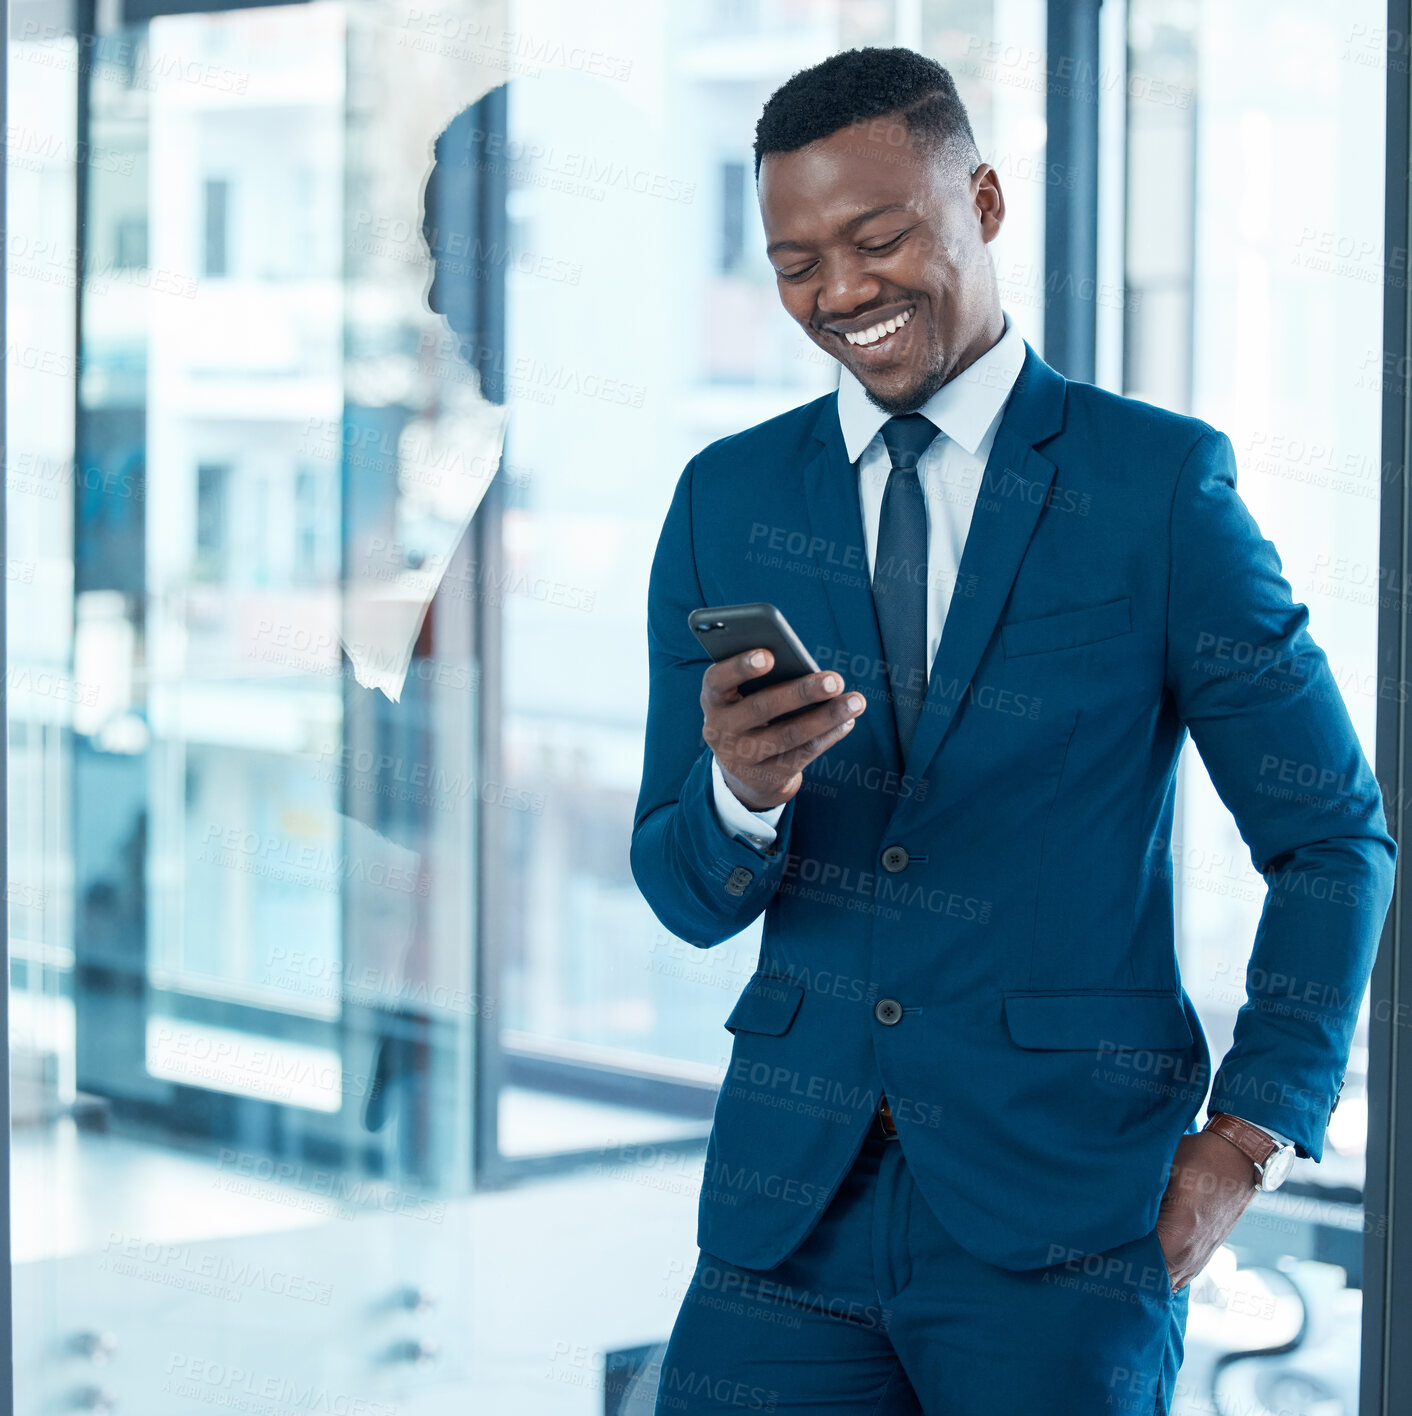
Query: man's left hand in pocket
(1209, 1186)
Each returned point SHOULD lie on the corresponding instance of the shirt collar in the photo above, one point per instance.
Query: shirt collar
(963, 408)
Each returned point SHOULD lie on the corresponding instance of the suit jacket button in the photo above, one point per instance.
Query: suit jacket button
(895, 858)
(738, 881)
(888, 1011)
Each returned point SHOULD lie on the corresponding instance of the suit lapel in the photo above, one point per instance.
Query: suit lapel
(1014, 488)
(1013, 491)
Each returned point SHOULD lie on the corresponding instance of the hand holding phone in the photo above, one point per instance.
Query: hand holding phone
(768, 709)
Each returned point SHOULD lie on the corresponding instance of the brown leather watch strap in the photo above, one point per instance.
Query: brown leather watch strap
(1250, 1140)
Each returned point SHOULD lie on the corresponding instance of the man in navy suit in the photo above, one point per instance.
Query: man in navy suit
(955, 1164)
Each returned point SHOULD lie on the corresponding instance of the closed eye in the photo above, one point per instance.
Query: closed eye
(867, 250)
(874, 250)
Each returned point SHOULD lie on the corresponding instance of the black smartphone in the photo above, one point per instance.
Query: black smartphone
(727, 630)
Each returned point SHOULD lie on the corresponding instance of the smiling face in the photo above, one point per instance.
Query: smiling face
(879, 252)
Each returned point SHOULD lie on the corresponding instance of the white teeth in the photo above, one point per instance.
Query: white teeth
(879, 331)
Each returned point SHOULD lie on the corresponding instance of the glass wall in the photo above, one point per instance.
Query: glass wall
(1255, 285)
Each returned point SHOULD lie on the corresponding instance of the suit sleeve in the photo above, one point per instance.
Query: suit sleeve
(1265, 712)
(703, 883)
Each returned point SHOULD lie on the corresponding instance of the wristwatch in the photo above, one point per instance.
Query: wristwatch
(1272, 1161)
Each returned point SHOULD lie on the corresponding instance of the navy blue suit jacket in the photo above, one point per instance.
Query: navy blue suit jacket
(1114, 594)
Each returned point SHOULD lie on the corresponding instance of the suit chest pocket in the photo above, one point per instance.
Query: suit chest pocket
(1068, 630)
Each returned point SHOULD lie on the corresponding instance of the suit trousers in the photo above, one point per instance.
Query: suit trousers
(880, 1312)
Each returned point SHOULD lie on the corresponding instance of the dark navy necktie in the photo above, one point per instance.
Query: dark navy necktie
(900, 570)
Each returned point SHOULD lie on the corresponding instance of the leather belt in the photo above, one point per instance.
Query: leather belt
(883, 1126)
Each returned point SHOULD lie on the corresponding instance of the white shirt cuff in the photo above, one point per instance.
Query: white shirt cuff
(1283, 1140)
(758, 827)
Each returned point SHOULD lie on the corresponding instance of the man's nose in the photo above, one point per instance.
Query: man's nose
(847, 288)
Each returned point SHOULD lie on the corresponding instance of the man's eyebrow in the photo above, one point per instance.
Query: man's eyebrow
(850, 225)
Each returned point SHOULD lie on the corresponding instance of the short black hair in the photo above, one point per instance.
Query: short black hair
(859, 84)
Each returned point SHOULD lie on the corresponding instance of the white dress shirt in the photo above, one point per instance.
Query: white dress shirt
(967, 412)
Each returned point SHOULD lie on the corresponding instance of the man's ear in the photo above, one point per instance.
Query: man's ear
(989, 200)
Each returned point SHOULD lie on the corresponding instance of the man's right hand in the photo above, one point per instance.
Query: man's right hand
(763, 761)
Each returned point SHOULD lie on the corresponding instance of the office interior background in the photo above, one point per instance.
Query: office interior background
(348, 1069)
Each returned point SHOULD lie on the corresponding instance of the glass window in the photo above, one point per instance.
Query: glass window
(1255, 284)
(642, 322)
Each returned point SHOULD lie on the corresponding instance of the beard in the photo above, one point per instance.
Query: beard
(913, 398)
(938, 372)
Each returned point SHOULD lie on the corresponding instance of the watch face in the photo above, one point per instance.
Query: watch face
(1277, 1168)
